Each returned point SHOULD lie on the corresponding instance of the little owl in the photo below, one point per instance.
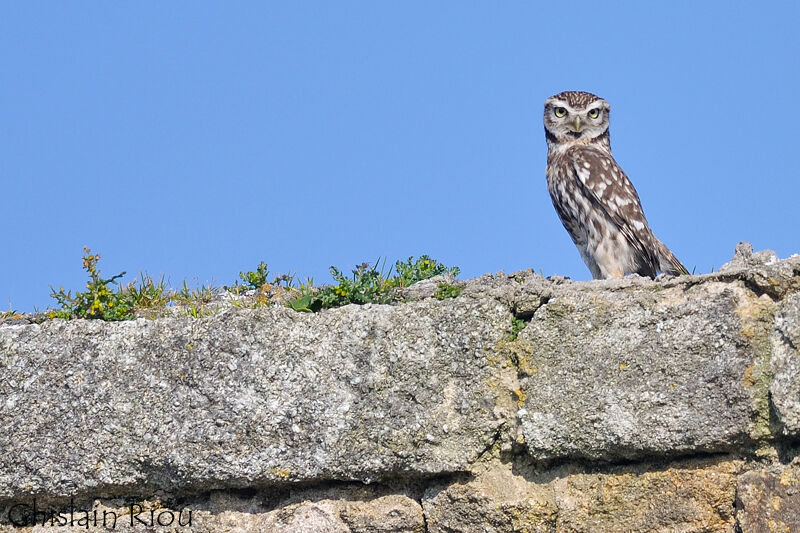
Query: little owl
(593, 197)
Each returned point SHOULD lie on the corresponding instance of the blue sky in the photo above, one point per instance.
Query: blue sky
(195, 139)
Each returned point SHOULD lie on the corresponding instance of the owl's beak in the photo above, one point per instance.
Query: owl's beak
(577, 124)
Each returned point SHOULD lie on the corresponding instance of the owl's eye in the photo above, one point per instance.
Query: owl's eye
(560, 112)
(594, 113)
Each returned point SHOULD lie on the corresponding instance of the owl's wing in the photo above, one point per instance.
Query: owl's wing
(603, 180)
(669, 263)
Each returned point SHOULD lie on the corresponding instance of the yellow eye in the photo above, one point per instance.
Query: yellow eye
(594, 113)
(560, 112)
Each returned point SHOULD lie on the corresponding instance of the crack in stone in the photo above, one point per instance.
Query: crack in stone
(424, 514)
(786, 340)
(528, 315)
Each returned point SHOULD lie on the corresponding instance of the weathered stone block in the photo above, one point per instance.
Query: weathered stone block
(248, 397)
(647, 371)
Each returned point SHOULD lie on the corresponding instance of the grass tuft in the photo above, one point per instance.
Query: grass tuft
(109, 299)
(369, 283)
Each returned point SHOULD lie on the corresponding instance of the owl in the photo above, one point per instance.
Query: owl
(593, 197)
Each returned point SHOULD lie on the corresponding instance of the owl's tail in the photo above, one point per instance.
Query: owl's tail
(668, 263)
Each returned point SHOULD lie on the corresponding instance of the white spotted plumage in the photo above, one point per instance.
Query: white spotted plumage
(592, 195)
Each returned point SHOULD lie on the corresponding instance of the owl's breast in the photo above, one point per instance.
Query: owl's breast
(568, 198)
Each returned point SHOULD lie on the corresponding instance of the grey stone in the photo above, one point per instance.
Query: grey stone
(427, 288)
(248, 397)
(426, 415)
(745, 259)
(785, 386)
(761, 271)
(641, 370)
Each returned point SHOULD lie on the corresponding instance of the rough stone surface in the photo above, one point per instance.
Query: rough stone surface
(339, 510)
(497, 499)
(688, 496)
(785, 386)
(623, 405)
(248, 397)
(683, 497)
(762, 271)
(649, 371)
(769, 500)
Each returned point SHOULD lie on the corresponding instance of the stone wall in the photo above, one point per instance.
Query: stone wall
(628, 405)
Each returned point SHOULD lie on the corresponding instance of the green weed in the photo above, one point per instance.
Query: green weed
(252, 280)
(100, 300)
(260, 277)
(410, 272)
(369, 283)
(517, 325)
(446, 290)
(108, 299)
(280, 289)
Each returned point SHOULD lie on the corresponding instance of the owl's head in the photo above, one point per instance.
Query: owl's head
(576, 117)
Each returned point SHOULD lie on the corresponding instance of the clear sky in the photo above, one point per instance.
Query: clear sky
(195, 139)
